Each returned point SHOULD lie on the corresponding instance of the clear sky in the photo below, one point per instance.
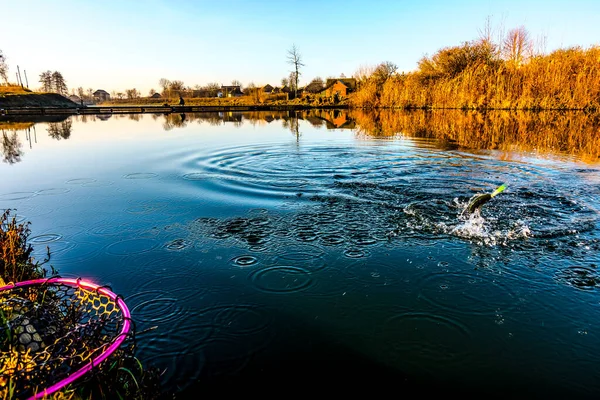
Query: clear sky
(122, 44)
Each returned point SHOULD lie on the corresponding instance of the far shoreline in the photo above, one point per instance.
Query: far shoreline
(136, 109)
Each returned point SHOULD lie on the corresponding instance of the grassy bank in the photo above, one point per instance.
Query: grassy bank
(484, 75)
(248, 101)
(18, 97)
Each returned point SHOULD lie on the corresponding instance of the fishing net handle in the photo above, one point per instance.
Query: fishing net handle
(120, 338)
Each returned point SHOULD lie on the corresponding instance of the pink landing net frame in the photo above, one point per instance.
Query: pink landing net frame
(96, 361)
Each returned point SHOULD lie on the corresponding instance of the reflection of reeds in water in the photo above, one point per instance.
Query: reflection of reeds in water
(571, 133)
(15, 126)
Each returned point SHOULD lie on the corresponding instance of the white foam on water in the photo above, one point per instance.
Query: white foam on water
(482, 230)
(474, 227)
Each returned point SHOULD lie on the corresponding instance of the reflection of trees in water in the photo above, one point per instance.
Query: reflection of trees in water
(11, 147)
(330, 118)
(60, 130)
(572, 133)
(174, 121)
(291, 123)
(290, 119)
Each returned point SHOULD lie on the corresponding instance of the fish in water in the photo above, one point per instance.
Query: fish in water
(480, 199)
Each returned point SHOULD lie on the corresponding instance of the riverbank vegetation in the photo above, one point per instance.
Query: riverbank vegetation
(508, 73)
(17, 96)
(121, 375)
(248, 100)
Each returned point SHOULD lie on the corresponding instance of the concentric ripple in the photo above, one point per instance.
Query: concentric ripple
(80, 181)
(179, 244)
(306, 256)
(366, 273)
(194, 176)
(281, 279)
(176, 350)
(45, 238)
(160, 309)
(356, 253)
(52, 192)
(140, 175)
(237, 319)
(467, 293)
(17, 195)
(244, 261)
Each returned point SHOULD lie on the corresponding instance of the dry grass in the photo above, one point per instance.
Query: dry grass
(16, 263)
(244, 101)
(13, 89)
(564, 79)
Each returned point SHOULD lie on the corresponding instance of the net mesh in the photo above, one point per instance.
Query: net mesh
(54, 330)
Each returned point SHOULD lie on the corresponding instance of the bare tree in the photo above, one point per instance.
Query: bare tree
(3, 67)
(285, 82)
(294, 58)
(384, 71)
(212, 86)
(176, 86)
(80, 92)
(363, 72)
(152, 91)
(517, 46)
(235, 82)
(486, 37)
(316, 84)
(164, 84)
(132, 93)
(539, 48)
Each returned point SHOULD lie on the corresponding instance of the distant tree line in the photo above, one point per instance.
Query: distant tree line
(53, 82)
(512, 72)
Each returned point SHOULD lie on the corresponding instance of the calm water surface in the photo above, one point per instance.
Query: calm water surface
(268, 249)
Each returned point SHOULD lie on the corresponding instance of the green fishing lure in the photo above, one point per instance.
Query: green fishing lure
(480, 199)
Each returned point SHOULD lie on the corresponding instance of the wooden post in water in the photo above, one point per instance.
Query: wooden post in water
(26, 80)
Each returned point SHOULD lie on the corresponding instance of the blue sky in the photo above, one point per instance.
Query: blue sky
(116, 45)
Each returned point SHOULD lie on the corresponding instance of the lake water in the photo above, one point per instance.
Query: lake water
(329, 247)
